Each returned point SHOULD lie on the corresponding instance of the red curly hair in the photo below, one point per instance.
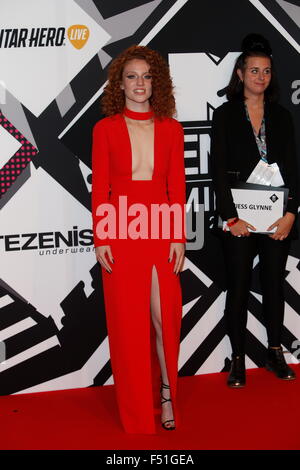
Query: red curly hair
(162, 100)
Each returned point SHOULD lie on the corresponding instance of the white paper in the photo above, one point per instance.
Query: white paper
(262, 174)
(277, 179)
(268, 175)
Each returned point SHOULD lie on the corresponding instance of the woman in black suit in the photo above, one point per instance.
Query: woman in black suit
(249, 127)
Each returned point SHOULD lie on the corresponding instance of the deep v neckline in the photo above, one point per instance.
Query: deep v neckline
(130, 162)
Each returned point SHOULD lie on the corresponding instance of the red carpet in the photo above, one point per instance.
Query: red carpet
(263, 415)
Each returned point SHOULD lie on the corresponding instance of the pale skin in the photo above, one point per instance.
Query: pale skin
(137, 85)
(256, 78)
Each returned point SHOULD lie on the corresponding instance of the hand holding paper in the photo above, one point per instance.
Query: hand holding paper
(259, 205)
(284, 225)
(240, 228)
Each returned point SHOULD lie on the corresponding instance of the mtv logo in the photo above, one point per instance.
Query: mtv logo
(197, 78)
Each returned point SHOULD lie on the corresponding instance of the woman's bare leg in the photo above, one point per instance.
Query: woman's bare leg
(167, 411)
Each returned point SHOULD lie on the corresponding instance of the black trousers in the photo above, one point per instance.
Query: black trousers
(239, 254)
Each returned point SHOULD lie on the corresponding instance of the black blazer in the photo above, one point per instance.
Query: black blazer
(234, 151)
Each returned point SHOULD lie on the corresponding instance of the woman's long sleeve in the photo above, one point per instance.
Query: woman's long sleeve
(224, 201)
(100, 177)
(176, 179)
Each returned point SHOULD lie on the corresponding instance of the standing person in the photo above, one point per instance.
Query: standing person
(249, 127)
(138, 155)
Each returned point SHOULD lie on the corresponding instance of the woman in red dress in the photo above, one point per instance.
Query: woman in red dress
(138, 172)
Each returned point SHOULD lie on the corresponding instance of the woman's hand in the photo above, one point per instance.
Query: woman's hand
(284, 225)
(240, 228)
(101, 253)
(178, 249)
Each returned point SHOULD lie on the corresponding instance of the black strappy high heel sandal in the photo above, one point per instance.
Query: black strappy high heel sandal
(165, 400)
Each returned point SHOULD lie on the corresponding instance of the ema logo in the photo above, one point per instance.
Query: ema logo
(43, 37)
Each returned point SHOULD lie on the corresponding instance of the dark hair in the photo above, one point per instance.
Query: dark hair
(253, 45)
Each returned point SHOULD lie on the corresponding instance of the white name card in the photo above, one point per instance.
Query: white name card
(259, 207)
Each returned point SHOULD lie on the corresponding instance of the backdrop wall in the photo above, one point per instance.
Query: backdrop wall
(54, 56)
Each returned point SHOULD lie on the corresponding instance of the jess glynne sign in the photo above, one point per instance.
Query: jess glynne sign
(260, 207)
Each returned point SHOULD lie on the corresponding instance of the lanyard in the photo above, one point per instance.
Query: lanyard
(260, 138)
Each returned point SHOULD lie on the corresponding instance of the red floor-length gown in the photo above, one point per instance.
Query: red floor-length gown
(127, 289)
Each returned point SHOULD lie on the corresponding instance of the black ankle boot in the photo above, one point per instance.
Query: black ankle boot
(276, 363)
(237, 374)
